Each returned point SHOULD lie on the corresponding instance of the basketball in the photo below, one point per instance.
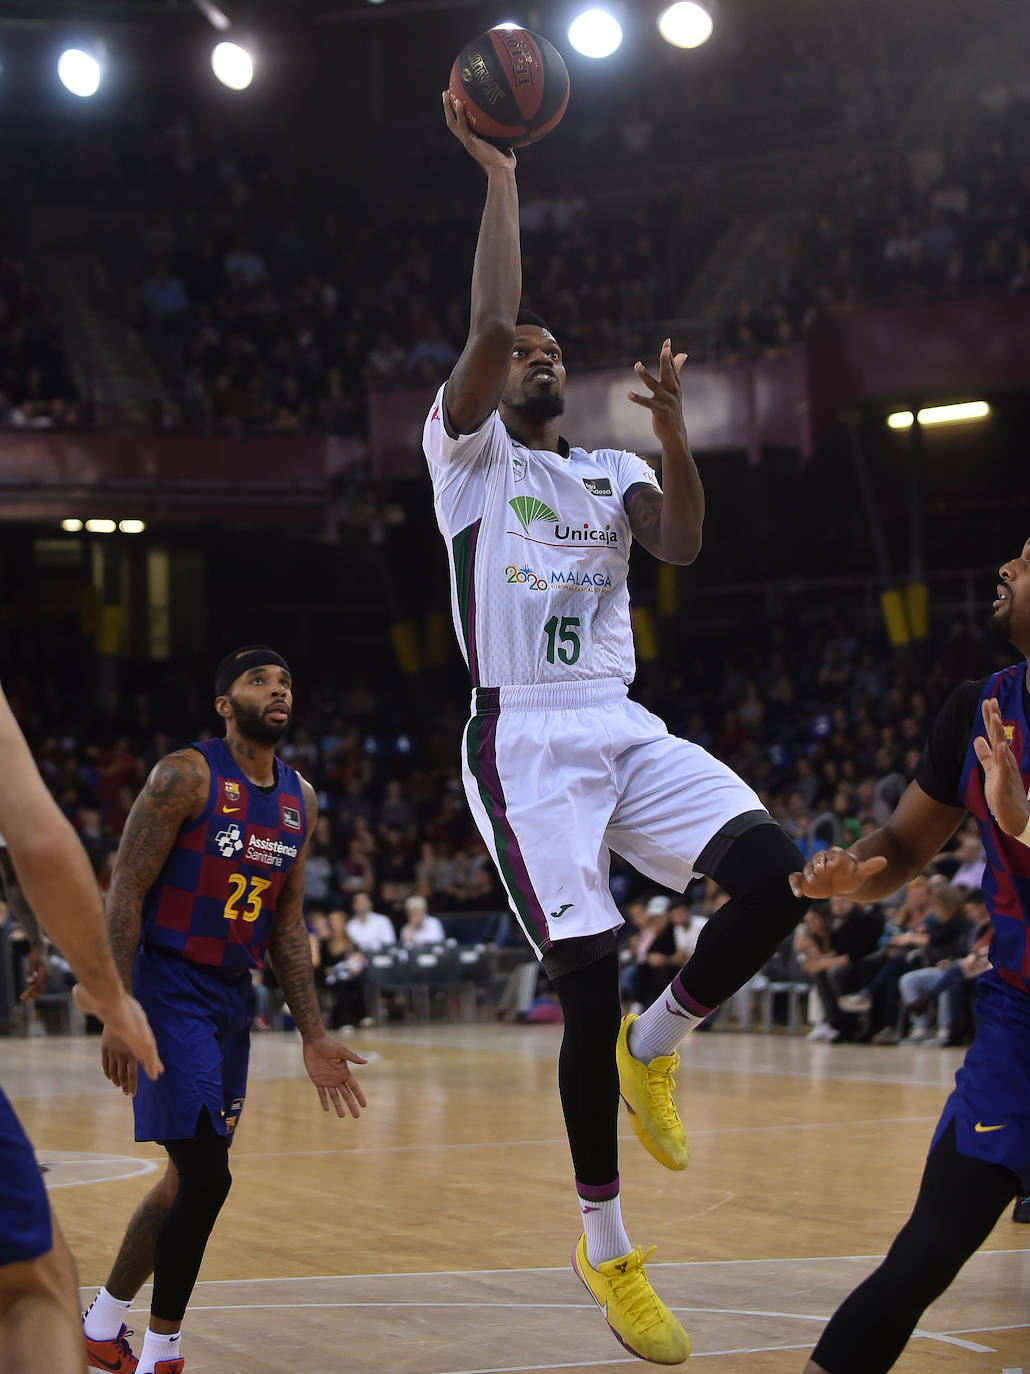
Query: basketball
(513, 84)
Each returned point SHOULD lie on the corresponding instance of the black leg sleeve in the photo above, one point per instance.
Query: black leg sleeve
(959, 1202)
(743, 935)
(204, 1181)
(587, 1077)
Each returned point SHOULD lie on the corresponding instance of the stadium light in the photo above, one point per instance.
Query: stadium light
(233, 65)
(685, 25)
(71, 526)
(595, 33)
(941, 415)
(79, 72)
(131, 526)
(101, 526)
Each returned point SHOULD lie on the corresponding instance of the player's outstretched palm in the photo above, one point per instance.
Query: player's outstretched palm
(326, 1061)
(834, 873)
(666, 400)
(491, 159)
(1003, 786)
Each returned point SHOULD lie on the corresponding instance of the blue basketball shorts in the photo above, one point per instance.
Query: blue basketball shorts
(202, 1028)
(991, 1101)
(25, 1232)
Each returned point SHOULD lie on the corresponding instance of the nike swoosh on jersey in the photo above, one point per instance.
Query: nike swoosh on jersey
(980, 1128)
(230, 810)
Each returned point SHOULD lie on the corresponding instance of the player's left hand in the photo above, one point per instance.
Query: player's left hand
(1003, 786)
(326, 1061)
(666, 400)
(37, 973)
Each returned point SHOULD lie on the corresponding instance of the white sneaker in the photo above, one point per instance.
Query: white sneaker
(824, 1031)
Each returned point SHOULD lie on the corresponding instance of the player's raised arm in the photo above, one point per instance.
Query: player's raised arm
(668, 522)
(326, 1059)
(60, 888)
(880, 863)
(479, 375)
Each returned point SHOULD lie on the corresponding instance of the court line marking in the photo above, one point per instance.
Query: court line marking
(561, 1269)
(143, 1166)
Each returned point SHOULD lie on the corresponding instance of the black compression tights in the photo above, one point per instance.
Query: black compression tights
(204, 1181)
(588, 1079)
(960, 1199)
(745, 932)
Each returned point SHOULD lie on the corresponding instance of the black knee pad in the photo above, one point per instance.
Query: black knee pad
(753, 867)
(202, 1164)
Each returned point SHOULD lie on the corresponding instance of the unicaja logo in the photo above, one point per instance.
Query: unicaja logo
(531, 511)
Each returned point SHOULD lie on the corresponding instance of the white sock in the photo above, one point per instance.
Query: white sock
(659, 1030)
(602, 1223)
(105, 1316)
(157, 1347)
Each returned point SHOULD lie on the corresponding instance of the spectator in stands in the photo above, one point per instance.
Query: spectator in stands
(854, 935)
(342, 967)
(369, 929)
(971, 863)
(921, 985)
(815, 954)
(420, 928)
(655, 954)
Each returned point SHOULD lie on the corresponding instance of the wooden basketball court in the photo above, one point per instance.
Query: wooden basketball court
(433, 1235)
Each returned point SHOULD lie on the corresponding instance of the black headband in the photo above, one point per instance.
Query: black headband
(240, 660)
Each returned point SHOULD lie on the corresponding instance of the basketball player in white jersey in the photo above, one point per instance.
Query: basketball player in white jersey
(560, 766)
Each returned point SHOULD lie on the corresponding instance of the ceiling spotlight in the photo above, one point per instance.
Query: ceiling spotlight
(941, 415)
(131, 526)
(686, 25)
(79, 72)
(595, 33)
(233, 65)
(101, 526)
(71, 526)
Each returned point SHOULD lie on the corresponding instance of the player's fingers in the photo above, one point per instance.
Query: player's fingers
(678, 362)
(353, 1055)
(323, 1096)
(665, 368)
(646, 377)
(151, 1061)
(646, 401)
(983, 751)
(867, 867)
(130, 1079)
(358, 1095)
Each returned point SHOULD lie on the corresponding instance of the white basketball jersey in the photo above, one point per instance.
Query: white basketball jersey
(538, 545)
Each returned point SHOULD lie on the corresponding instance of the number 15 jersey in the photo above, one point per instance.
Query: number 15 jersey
(538, 546)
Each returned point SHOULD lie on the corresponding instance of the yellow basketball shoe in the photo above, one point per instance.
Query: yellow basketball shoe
(638, 1318)
(647, 1092)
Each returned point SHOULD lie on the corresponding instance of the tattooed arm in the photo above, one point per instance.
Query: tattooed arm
(324, 1057)
(175, 792)
(668, 522)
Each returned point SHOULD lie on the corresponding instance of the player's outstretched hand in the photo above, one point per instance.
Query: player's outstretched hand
(37, 973)
(834, 873)
(666, 400)
(127, 1039)
(1003, 787)
(326, 1061)
(491, 159)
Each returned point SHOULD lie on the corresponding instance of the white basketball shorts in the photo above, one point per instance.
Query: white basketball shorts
(560, 774)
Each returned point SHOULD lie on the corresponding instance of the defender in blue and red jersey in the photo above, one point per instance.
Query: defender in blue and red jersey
(209, 875)
(977, 760)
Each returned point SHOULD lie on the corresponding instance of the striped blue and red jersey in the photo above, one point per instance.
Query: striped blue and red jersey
(1006, 881)
(214, 900)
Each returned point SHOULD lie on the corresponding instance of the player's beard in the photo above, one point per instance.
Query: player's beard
(1000, 624)
(542, 405)
(255, 725)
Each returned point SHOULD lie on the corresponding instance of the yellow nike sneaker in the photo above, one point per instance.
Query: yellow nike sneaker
(647, 1092)
(638, 1318)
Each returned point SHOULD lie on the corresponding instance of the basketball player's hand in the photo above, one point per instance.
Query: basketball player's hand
(127, 1040)
(1003, 786)
(491, 159)
(666, 400)
(834, 873)
(37, 973)
(326, 1061)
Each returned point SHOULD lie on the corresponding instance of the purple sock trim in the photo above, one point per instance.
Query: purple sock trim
(685, 1000)
(593, 1193)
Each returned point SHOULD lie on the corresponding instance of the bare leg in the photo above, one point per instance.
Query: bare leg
(134, 1263)
(40, 1324)
(813, 1368)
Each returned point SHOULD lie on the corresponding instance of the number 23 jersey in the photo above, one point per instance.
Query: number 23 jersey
(214, 900)
(538, 546)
